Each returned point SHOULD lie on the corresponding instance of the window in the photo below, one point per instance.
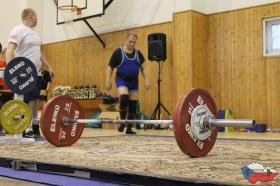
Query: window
(271, 36)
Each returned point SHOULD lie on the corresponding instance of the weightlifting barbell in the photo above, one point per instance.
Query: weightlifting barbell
(195, 126)
(62, 121)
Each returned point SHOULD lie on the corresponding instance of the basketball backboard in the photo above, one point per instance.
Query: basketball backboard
(67, 10)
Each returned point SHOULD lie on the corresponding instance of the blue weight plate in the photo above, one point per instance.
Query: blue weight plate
(21, 75)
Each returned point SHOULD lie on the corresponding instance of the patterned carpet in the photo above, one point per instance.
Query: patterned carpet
(154, 155)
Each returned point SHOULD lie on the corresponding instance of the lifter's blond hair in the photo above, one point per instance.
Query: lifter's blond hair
(131, 34)
(27, 13)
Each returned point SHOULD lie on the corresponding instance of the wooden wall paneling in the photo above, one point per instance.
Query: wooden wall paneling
(182, 50)
(241, 78)
(216, 68)
(169, 100)
(256, 68)
(190, 69)
(83, 62)
(272, 74)
(199, 50)
(212, 61)
(226, 68)
(273, 88)
(240, 50)
(92, 62)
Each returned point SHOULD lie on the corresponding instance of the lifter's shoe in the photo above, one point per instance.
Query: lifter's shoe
(28, 134)
(121, 127)
(129, 130)
(2, 133)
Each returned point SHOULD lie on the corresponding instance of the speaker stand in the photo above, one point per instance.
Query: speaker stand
(157, 114)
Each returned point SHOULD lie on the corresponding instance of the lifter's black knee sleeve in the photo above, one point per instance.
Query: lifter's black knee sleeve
(132, 109)
(124, 99)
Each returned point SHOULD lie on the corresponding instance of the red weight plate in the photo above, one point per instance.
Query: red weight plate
(189, 144)
(51, 121)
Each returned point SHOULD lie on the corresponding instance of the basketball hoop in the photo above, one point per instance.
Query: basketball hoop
(68, 12)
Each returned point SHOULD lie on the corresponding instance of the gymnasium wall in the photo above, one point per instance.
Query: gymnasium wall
(127, 14)
(240, 77)
(124, 14)
(215, 6)
(120, 15)
(189, 52)
(84, 61)
(220, 52)
(228, 61)
(9, 17)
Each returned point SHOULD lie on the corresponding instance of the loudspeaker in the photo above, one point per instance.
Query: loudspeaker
(157, 47)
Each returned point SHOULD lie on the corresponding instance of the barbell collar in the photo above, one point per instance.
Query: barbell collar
(18, 116)
(24, 75)
(211, 123)
(67, 121)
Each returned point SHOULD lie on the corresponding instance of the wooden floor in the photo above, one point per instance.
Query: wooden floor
(237, 152)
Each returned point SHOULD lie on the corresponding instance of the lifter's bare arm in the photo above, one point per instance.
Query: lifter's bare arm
(108, 84)
(10, 52)
(144, 73)
(46, 65)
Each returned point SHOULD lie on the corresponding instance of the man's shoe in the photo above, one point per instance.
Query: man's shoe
(121, 127)
(2, 133)
(28, 134)
(129, 130)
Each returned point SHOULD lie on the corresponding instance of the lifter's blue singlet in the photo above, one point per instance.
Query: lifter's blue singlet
(129, 68)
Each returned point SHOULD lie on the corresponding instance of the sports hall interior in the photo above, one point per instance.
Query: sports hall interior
(215, 45)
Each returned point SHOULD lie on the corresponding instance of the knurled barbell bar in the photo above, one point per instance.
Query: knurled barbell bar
(206, 124)
(62, 121)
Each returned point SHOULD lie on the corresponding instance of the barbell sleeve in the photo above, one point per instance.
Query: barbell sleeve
(18, 116)
(244, 123)
(23, 75)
